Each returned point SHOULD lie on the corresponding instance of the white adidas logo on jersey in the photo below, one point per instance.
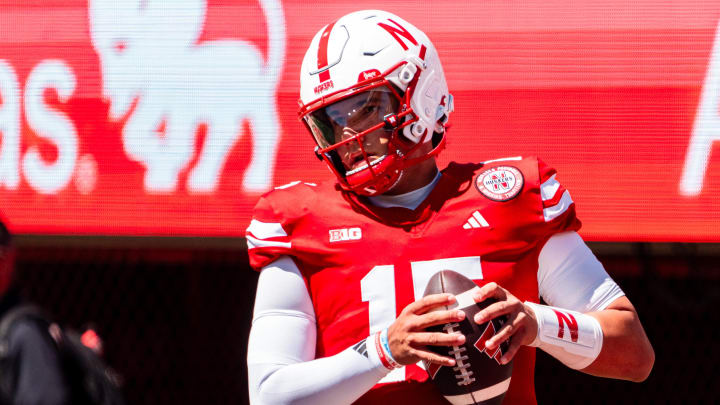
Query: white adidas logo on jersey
(476, 221)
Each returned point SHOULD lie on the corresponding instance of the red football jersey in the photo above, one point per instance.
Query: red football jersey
(363, 264)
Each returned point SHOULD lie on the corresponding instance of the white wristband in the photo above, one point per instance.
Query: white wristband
(571, 337)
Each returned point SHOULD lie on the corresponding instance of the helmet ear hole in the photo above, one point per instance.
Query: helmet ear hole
(414, 132)
(407, 73)
(418, 130)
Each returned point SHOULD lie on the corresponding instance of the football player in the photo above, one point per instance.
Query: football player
(340, 315)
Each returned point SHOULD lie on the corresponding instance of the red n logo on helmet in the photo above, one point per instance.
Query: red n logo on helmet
(399, 30)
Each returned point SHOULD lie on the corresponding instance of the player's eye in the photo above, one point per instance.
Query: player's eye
(371, 109)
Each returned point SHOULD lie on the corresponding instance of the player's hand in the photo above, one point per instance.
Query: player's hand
(407, 336)
(521, 325)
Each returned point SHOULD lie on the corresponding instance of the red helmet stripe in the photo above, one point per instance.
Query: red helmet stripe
(422, 52)
(322, 59)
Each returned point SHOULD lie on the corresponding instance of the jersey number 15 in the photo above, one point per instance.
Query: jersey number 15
(378, 290)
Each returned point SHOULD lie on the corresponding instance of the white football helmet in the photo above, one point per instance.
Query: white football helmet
(373, 73)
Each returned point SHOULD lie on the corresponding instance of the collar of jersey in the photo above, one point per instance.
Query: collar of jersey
(410, 200)
(446, 187)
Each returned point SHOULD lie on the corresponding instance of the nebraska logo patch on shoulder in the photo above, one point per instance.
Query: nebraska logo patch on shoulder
(501, 183)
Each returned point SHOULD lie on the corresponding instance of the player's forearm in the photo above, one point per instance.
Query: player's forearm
(282, 368)
(614, 345)
(608, 343)
(626, 353)
(338, 379)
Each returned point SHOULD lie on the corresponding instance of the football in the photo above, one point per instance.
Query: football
(477, 377)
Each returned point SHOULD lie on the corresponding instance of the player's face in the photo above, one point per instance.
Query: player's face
(342, 121)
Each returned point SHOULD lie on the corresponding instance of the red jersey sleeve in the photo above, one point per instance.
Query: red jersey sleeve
(267, 236)
(558, 207)
(275, 218)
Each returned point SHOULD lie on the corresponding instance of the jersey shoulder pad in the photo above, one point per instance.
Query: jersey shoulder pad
(275, 216)
(556, 199)
(528, 174)
(533, 185)
(558, 207)
(288, 201)
(505, 179)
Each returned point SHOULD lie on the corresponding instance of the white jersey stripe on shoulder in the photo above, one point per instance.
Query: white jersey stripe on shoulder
(258, 243)
(480, 395)
(502, 159)
(265, 230)
(555, 211)
(549, 188)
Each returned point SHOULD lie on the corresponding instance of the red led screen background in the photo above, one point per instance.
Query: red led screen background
(119, 118)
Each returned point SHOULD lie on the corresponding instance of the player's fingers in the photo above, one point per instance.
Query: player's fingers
(436, 339)
(437, 318)
(512, 350)
(496, 309)
(506, 331)
(429, 302)
(489, 290)
(433, 301)
(433, 357)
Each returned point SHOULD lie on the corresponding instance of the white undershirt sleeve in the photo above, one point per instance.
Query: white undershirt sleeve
(571, 277)
(282, 368)
(573, 282)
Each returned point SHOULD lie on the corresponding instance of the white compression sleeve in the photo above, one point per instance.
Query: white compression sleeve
(572, 280)
(282, 368)
(570, 276)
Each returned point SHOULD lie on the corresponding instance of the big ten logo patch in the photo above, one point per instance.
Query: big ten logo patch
(345, 234)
